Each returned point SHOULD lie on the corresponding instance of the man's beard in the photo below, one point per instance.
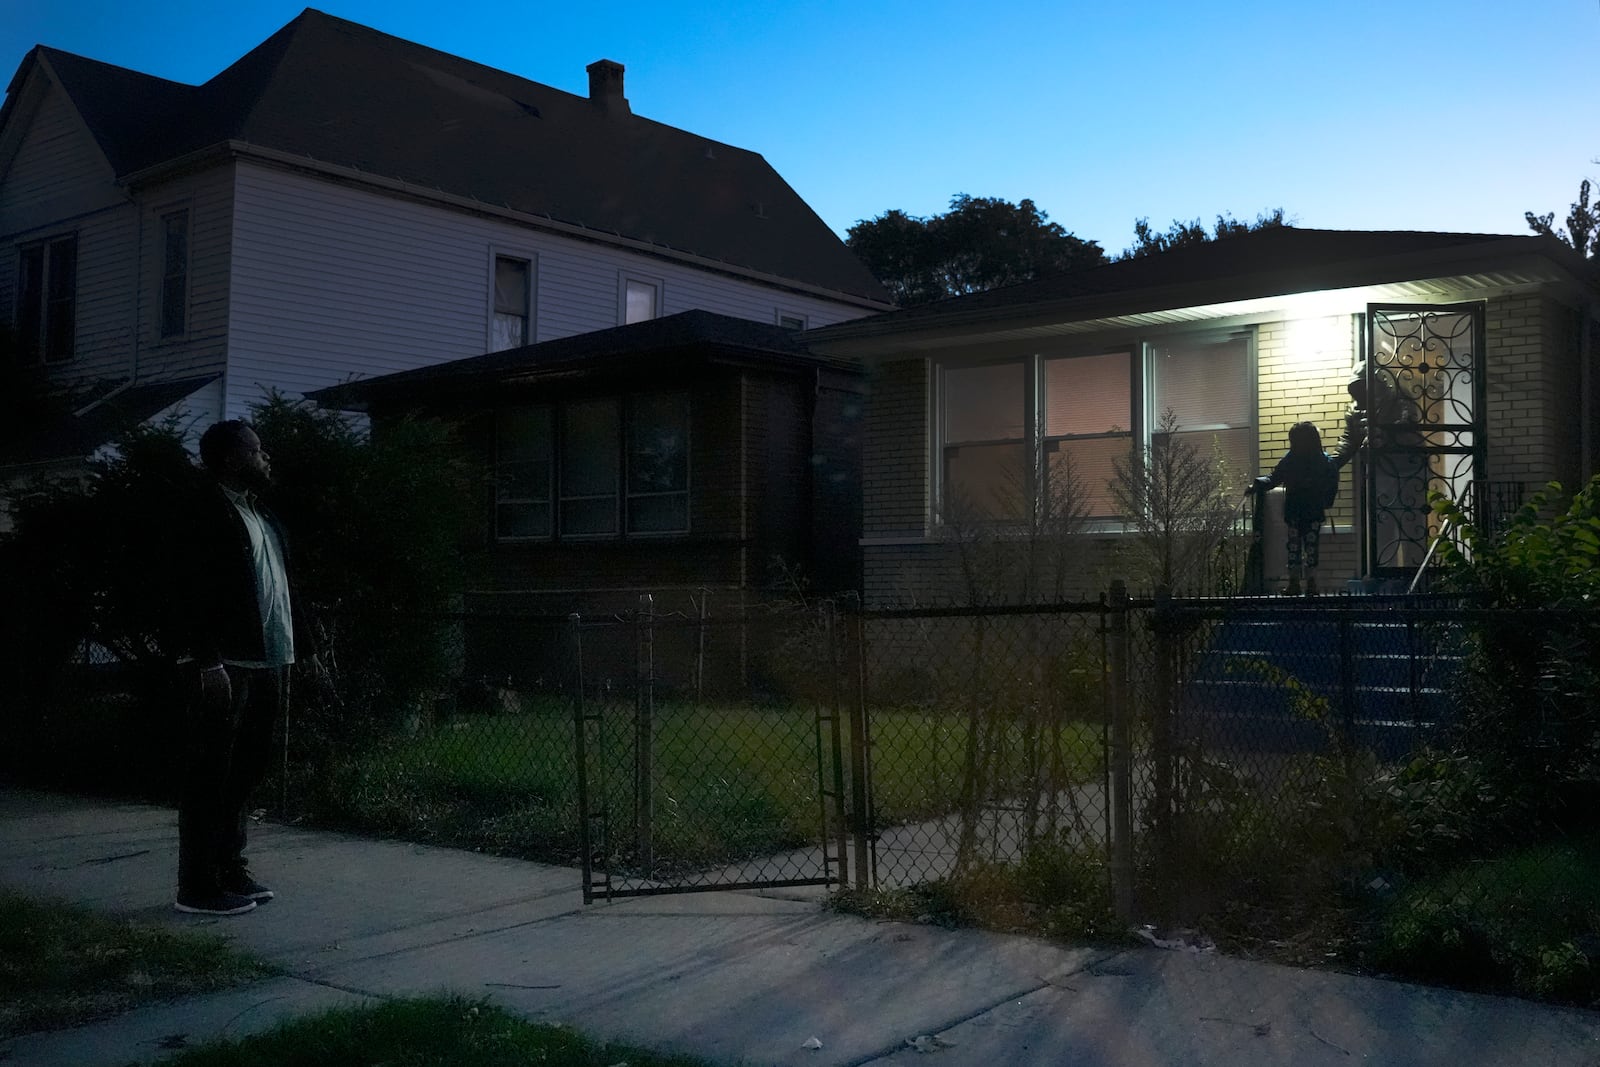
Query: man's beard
(257, 481)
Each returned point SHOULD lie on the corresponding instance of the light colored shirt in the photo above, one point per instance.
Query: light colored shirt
(272, 586)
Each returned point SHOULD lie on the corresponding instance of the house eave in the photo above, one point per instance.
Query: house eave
(236, 149)
(1391, 280)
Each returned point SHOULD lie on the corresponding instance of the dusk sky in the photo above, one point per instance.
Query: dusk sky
(1349, 115)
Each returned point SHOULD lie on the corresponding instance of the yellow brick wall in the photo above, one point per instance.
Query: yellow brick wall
(1302, 370)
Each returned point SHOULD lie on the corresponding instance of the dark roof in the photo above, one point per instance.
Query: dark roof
(77, 436)
(341, 93)
(674, 340)
(1264, 263)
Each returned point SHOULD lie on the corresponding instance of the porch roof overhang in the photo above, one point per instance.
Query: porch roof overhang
(660, 348)
(1051, 311)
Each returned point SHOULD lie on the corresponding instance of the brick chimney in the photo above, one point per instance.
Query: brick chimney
(605, 87)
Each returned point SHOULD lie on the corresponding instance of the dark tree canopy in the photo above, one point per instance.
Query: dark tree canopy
(1148, 240)
(980, 243)
(1582, 231)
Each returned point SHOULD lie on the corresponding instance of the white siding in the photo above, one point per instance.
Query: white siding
(332, 282)
(58, 171)
(58, 183)
(203, 347)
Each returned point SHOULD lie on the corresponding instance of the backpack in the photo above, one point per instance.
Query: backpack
(1329, 489)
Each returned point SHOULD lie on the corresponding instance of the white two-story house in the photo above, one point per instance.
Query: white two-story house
(341, 203)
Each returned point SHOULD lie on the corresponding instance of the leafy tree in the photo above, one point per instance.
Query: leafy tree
(376, 524)
(1148, 240)
(1582, 231)
(377, 521)
(980, 243)
(1531, 685)
(28, 403)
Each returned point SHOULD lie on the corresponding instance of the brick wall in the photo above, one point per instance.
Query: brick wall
(1533, 387)
(895, 472)
(1303, 370)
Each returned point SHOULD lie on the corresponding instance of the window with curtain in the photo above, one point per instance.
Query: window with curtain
(1088, 424)
(641, 300)
(511, 301)
(1205, 383)
(984, 441)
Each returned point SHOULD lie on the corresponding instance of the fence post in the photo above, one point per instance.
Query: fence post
(580, 754)
(860, 752)
(644, 747)
(1120, 704)
(830, 620)
(700, 647)
(1163, 814)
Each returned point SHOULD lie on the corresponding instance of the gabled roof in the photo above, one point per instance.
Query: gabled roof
(675, 341)
(333, 92)
(1260, 265)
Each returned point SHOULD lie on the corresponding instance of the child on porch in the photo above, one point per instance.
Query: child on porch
(1311, 481)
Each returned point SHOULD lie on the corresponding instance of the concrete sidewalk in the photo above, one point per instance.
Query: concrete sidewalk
(734, 977)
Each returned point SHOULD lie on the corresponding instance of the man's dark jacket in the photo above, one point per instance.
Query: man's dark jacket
(221, 612)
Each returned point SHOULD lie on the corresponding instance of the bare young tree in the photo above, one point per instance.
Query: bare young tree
(1179, 502)
(1020, 544)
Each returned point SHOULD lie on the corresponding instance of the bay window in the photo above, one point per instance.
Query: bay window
(596, 468)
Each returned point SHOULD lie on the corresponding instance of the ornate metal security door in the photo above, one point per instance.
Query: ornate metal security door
(1424, 421)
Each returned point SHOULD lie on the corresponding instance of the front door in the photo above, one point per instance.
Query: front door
(1424, 400)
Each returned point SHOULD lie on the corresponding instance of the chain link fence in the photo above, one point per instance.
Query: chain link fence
(1406, 783)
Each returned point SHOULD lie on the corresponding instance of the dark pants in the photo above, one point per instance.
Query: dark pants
(225, 759)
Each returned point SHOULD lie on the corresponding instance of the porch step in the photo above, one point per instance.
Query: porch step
(1297, 681)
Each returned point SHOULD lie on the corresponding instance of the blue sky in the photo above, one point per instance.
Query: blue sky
(1350, 115)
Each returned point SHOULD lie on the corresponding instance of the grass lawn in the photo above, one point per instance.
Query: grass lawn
(439, 1032)
(62, 965)
(730, 781)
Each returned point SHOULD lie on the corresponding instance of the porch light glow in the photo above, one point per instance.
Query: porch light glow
(1320, 345)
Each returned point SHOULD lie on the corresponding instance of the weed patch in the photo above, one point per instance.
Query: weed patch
(63, 966)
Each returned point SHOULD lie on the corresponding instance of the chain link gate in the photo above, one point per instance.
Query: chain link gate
(709, 752)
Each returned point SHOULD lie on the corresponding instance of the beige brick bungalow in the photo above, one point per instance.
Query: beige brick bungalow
(1484, 343)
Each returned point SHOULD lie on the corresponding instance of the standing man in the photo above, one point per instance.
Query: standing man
(241, 635)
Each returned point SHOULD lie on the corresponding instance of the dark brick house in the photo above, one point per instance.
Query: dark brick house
(684, 456)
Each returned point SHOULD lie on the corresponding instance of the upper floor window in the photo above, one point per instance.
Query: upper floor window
(641, 300)
(511, 303)
(593, 468)
(175, 274)
(47, 293)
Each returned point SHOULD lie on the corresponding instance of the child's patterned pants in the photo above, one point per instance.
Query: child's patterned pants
(1307, 537)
